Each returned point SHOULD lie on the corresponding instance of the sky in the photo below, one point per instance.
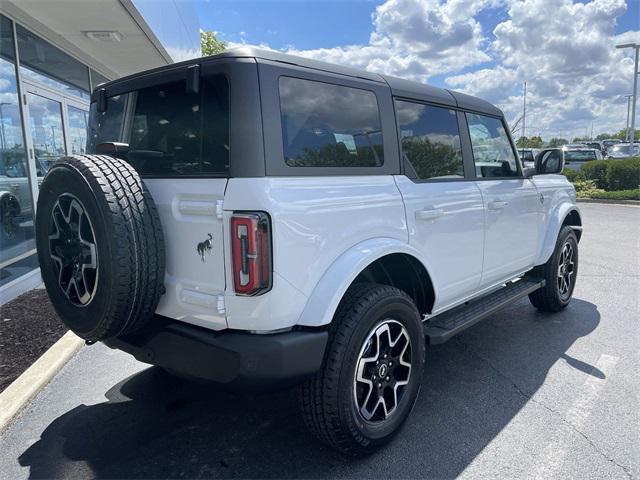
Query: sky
(563, 49)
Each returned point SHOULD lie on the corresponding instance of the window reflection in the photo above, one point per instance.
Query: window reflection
(16, 218)
(430, 140)
(492, 151)
(328, 125)
(45, 121)
(42, 62)
(77, 130)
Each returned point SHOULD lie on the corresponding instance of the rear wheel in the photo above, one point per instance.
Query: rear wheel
(370, 377)
(560, 273)
(100, 246)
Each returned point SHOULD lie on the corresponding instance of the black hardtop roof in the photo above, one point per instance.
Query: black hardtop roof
(399, 87)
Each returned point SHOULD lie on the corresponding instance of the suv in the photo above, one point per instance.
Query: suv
(258, 219)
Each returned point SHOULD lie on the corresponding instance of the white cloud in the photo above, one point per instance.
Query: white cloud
(415, 39)
(564, 50)
(566, 53)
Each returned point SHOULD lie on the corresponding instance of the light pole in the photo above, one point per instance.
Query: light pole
(626, 125)
(632, 133)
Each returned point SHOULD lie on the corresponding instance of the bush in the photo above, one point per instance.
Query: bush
(573, 175)
(633, 194)
(586, 188)
(596, 170)
(623, 174)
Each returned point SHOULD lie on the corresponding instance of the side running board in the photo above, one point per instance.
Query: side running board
(442, 327)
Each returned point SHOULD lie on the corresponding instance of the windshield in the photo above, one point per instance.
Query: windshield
(580, 155)
(621, 148)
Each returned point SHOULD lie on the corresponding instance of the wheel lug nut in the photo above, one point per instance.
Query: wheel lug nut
(387, 379)
(379, 385)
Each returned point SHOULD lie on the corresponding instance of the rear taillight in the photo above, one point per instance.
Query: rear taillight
(251, 251)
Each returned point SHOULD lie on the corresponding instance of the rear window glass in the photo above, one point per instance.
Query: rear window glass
(580, 155)
(326, 125)
(175, 132)
(106, 126)
(172, 132)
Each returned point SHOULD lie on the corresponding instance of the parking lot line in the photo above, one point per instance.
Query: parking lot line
(553, 455)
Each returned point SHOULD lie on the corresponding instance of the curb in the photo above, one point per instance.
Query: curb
(604, 200)
(17, 395)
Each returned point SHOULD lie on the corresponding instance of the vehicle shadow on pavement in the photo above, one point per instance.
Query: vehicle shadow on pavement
(154, 425)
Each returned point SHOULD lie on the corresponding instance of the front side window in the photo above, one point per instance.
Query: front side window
(326, 125)
(430, 140)
(180, 133)
(492, 151)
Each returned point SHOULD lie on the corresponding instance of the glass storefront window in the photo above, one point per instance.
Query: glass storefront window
(42, 62)
(77, 130)
(47, 133)
(16, 206)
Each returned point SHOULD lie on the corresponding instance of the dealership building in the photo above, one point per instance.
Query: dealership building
(52, 54)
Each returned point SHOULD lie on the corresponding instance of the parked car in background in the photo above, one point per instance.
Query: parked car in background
(574, 158)
(596, 145)
(527, 156)
(623, 150)
(610, 142)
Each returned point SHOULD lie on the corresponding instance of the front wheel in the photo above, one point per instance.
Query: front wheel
(370, 377)
(560, 273)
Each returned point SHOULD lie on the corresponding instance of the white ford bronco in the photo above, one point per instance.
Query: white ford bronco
(257, 219)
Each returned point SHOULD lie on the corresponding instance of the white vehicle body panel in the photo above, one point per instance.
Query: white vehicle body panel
(314, 221)
(512, 212)
(446, 227)
(190, 209)
(326, 230)
(558, 199)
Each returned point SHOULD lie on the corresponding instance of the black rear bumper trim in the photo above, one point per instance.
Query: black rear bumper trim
(230, 357)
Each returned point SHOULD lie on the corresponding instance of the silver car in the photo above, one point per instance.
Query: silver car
(574, 158)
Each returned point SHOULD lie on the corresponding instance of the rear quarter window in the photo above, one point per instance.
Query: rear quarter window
(172, 132)
(328, 125)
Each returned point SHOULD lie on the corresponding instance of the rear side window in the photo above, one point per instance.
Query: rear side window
(180, 133)
(327, 125)
(106, 126)
(492, 151)
(430, 140)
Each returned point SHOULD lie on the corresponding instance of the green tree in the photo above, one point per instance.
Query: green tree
(533, 142)
(557, 142)
(622, 135)
(209, 44)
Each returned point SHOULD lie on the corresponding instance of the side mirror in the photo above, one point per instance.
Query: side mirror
(550, 160)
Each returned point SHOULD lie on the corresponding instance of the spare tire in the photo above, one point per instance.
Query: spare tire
(100, 246)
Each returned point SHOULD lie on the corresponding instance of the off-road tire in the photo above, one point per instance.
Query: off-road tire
(327, 401)
(549, 298)
(128, 240)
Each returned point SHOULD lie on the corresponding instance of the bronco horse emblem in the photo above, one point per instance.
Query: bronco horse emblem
(205, 247)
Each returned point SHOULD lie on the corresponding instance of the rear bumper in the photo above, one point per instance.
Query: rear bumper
(235, 358)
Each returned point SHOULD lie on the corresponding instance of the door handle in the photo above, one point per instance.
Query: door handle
(429, 213)
(497, 205)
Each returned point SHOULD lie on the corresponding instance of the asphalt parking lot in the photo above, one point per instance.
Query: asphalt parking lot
(521, 395)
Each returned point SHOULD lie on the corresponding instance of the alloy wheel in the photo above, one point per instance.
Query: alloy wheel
(73, 250)
(566, 270)
(383, 370)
